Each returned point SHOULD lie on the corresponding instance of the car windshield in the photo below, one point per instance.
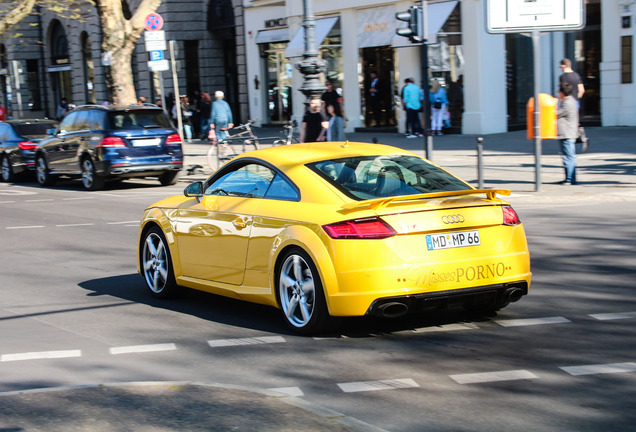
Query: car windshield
(369, 177)
(138, 119)
(32, 129)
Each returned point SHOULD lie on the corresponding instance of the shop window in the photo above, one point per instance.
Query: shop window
(626, 60)
(279, 80)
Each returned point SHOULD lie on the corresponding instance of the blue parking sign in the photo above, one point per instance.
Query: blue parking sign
(156, 55)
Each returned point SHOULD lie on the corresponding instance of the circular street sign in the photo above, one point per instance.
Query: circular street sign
(154, 22)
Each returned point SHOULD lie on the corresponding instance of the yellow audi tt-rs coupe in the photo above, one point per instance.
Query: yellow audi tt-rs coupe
(329, 230)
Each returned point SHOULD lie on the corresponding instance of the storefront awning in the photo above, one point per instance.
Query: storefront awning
(436, 16)
(273, 35)
(296, 47)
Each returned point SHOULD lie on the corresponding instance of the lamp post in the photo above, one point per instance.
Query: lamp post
(311, 66)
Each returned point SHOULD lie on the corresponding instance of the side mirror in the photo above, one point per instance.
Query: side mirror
(194, 189)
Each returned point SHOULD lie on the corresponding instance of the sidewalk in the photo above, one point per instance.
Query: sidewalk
(606, 171)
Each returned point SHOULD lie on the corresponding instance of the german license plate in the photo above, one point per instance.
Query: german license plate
(452, 240)
(148, 142)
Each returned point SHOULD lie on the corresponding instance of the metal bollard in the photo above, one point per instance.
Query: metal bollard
(480, 163)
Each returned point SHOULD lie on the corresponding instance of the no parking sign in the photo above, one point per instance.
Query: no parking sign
(154, 22)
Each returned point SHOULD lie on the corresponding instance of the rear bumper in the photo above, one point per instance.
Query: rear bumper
(138, 170)
(486, 297)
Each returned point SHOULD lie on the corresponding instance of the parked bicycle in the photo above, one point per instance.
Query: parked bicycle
(225, 149)
(290, 138)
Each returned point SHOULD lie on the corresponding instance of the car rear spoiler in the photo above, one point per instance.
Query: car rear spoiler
(380, 203)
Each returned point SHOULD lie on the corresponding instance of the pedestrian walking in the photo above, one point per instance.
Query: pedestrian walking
(568, 130)
(374, 99)
(61, 109)
(205, 110)
(335, 131)
(411, 98)
(439, 101)
(186, 116)
(331, 97)
(3, 113)
(221, 118)
(572, 78)
(315, 122)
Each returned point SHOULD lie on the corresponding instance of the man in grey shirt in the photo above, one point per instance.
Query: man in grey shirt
(568, 130)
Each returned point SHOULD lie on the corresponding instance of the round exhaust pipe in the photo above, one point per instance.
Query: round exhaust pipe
(393, 310)
(513, 294)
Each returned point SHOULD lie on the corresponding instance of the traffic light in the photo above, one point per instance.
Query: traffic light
(415, 30)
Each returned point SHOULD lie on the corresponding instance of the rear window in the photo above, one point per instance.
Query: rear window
(369, 177)
(32, 129)
(137, 120)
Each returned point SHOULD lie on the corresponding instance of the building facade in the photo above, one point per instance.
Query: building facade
(48, 57)
(250, 48)
(489, 78)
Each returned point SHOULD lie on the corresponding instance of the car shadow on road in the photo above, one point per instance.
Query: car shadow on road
(206, 306)
(238, 313)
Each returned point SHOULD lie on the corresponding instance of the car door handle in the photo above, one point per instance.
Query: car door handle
(239, 223)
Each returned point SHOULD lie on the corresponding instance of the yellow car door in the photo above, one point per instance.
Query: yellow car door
(213, 234)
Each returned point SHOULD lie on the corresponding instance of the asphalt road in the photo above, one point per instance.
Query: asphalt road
(73, 311)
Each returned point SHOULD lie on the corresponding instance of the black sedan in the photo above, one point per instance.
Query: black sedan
(18, 140)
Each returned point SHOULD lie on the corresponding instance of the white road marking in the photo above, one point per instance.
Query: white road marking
(363, 386)
(25, 227)
(75, 225)
(613, 316)
(493, 376)
(246, 341)
(289, 391)
(77, 198)
(143, 348)
(7, 202)
(446, 327)
(40, 355)
(39, 200)
(532, 321)
(600, 369)
(121, 223)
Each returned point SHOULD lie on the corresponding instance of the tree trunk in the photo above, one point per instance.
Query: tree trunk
(119, 38)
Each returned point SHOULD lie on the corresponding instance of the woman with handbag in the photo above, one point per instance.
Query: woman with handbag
(439, 101)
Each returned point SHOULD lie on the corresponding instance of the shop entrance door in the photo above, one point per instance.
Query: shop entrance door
(378, 110)
(279, 73)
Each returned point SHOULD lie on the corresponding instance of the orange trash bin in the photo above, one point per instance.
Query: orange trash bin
(547, 117)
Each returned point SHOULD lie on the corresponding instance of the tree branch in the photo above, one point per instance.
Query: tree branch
(16, 15)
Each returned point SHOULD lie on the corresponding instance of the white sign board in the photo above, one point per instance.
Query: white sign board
(518, 16)
(155, 40)
(158, 65)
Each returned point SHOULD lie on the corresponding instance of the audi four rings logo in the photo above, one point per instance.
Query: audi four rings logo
(451, 219)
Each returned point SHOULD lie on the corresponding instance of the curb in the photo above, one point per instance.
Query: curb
(327, 414)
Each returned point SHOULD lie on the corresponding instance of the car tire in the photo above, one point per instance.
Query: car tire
(156, 265)
(90, 179)
(169, 178)
(301, 296)
(8, 175)
(42, 173)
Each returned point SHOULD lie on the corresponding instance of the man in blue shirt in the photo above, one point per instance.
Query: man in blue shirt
(411, 96)
(221, 118)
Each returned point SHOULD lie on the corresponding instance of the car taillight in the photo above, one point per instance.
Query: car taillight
(510, 216)
(27, 145)
(372, 228)
(173, 139)
(112, 142)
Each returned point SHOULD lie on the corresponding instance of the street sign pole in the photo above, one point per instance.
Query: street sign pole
(175, 81)
(536, 52)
